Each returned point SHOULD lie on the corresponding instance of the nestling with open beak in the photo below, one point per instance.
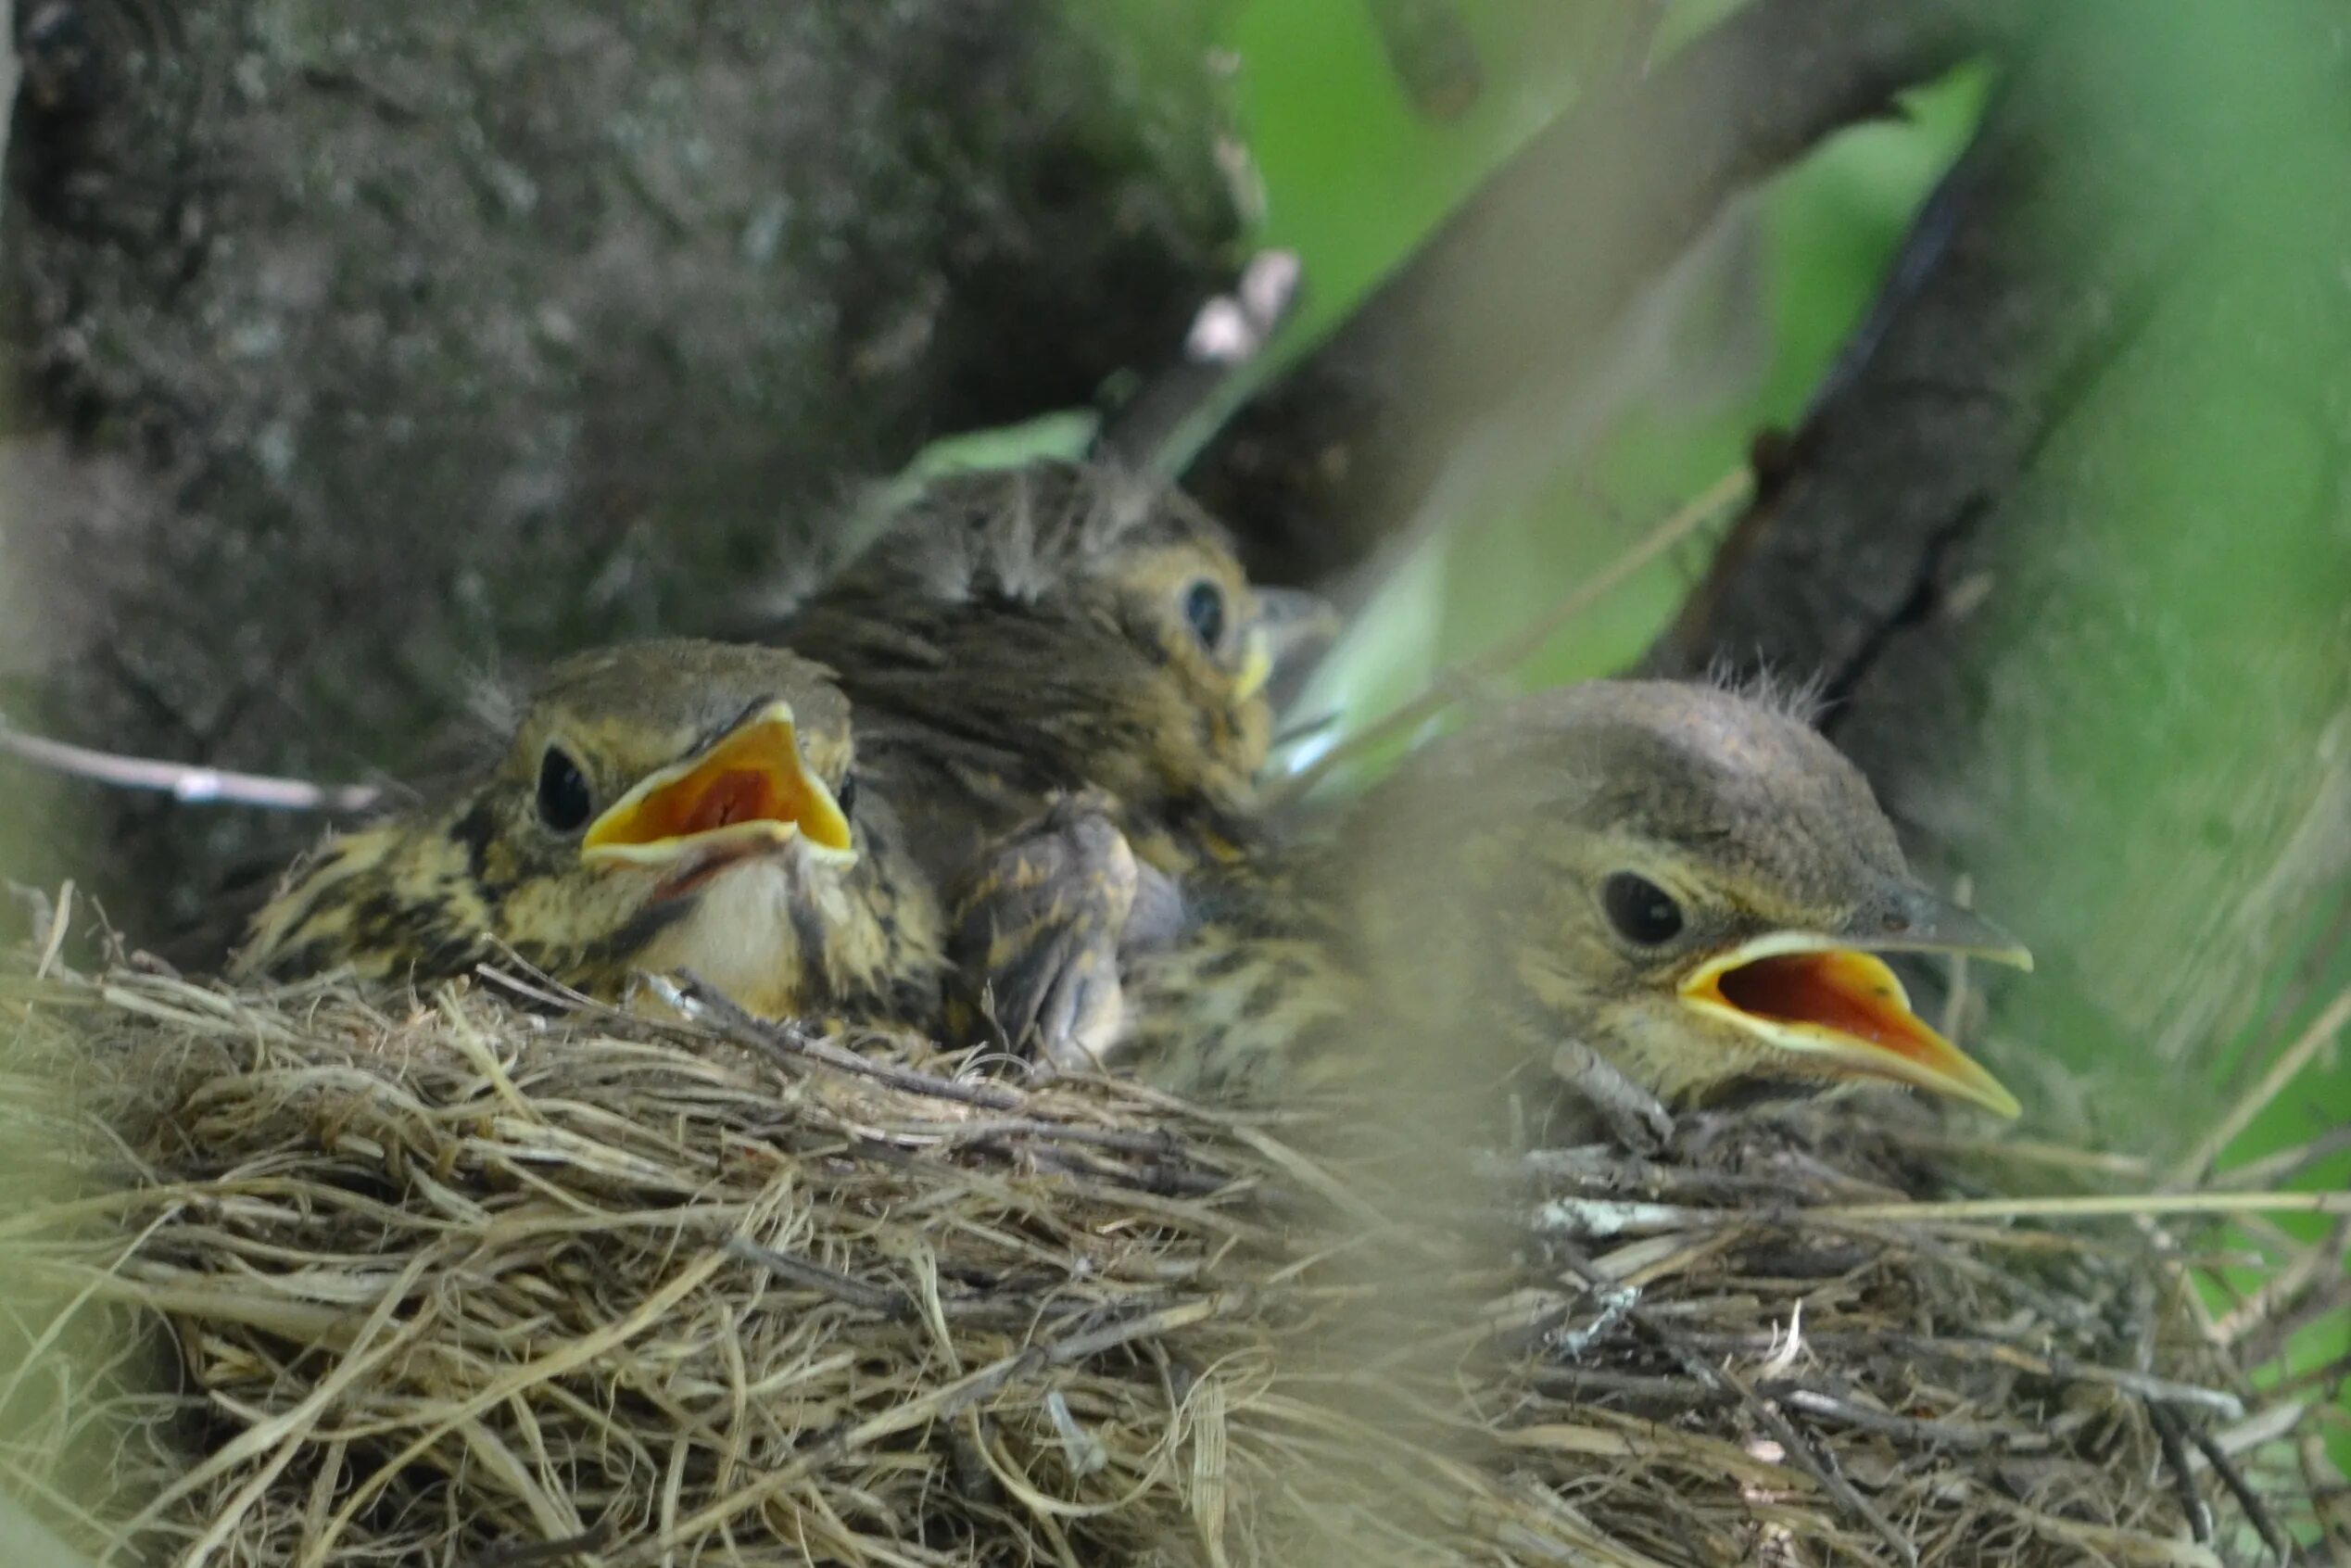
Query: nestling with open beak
(662, 805)
(1018, 635)
(1678, 885)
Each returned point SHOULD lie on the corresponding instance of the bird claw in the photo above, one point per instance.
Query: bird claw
(1080, 1017)
(1037, 931)
(1635, 1118)
(1157, 915)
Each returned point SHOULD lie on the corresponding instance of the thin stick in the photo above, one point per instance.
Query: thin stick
(60, 920)
(1728, 492)
(895, 1305)
(2060, 1368)
(1163, 427)
(2289, 1064)
(2256, 1512)
(182, 782)
(527, 1555)
(1792, 1442)
(700, 1000)
(2272, 1169)
(1963, 1435)
(1634, 1217)
(1162, 1145)
(2093, 1207)
(2171, 1434)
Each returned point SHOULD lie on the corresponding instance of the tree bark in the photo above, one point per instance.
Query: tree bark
(368, 349)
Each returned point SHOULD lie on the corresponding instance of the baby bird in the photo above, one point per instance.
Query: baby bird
(1019, 635)
(1665, 890)
(664, 805)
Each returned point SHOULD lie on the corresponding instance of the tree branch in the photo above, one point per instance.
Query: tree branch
(1517, 292)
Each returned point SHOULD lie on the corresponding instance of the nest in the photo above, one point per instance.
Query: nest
(306, 1279)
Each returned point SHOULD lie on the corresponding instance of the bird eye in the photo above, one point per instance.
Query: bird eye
(1642, 912)
(1204, 612)
(846, 796)
(564, 801)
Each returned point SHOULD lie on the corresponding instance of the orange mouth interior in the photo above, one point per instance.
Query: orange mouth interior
(1846, 1008)
(755, 775)
(1850, 992)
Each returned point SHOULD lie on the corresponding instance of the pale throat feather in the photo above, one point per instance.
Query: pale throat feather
(741, 937)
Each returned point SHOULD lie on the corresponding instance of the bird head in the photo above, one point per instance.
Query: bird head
(660, 804)
(1691, 882)
(1078, 627)
(1202, 642)
(644, 776)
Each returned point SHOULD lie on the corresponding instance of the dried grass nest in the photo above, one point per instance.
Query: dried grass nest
(301, 1277)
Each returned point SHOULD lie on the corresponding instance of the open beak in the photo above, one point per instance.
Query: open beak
(751, 794)
(1292, 629)
(1821, 996)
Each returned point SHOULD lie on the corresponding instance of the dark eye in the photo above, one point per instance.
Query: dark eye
(1204, 612)
(564, 801)
(846, 796)
(1642, 912)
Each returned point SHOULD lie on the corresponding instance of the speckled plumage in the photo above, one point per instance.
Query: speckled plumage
(1015, 636)
(784, 930)
(1453, 924)
(1034, 932)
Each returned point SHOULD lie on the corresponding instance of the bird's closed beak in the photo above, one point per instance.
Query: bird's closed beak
(1292, 629)
(750, 793)
(1821, 995)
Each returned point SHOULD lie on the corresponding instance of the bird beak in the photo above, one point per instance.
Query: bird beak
(1820, 996)
(1292, 629)
(749, 794)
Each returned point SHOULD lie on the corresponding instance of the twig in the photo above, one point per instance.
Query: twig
(2096, 1206)
(2170, 1431)
(700, 1000)
(2283, 1071)
(2274, 1422)
(2256, 1512)
(896, 1305)
(1605, 1216)
(1349, 446)
(182, 782)
(2053, 1367)
(1726, 492)
(528, 1554)
(2284, 1291)
(1161, 1145)
(2033, 1151)
(1966, 1435)
(1160, 428)
(2067, 1369)
(2272, 1169)
(1783, 1431)
(514, 975)
(60, 920)
(1585, 1384)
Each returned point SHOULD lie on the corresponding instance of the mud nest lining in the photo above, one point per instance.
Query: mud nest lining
(304, 1278)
